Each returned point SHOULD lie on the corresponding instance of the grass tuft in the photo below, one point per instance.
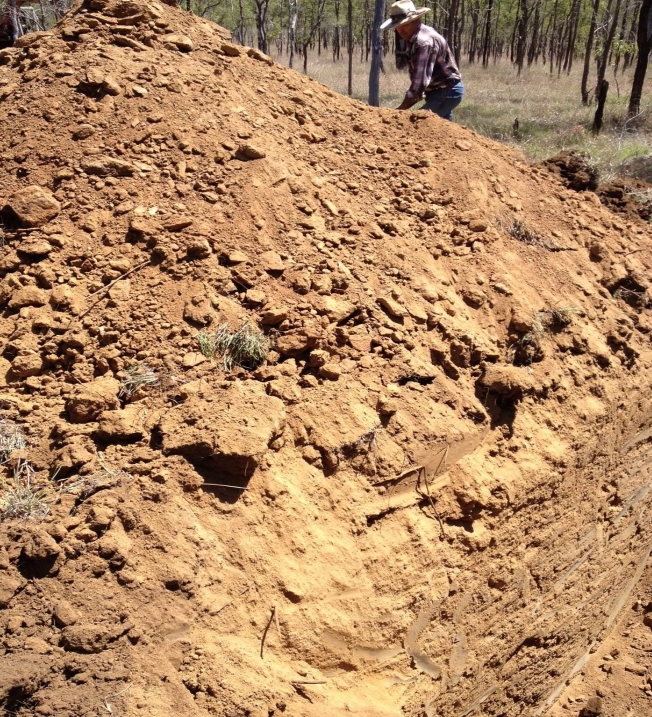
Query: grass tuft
(11, 439)
(545, 321)
(246, 347)
(138, 376)
(20, 499)
(522, 232)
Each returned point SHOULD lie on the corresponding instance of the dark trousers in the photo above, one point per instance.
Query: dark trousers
(443, 102)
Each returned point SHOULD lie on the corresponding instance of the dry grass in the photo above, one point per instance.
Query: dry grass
(21, 499)
(138, 376)
(11, 439)
(549, 110)
(246, 347)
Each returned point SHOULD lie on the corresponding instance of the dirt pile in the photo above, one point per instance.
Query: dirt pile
(429, 498)
(627, 196)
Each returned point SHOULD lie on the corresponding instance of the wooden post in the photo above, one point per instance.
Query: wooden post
(602, 98)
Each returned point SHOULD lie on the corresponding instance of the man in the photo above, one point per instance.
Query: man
(433, 71)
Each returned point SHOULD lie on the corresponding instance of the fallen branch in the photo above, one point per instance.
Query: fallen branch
(108, 286)
(264, 637)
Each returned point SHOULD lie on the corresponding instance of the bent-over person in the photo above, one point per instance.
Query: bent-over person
(433, 71)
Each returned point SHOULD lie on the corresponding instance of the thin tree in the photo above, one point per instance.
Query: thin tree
(376, 54)
(349, 22)
(262, 9)
(643, 35)
(588, 50)
(606, 50)
(308, 39)
(293, 7)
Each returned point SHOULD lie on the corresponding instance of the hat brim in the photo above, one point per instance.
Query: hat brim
(392, 23)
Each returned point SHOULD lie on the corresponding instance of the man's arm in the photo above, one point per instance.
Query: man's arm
(418, 77)
(407, 103)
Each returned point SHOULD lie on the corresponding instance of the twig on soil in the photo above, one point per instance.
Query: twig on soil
(422, 472)
(106, 705)
(230, 602)
(308, 682)
(224, 485)
(109, 285)
(264, 637)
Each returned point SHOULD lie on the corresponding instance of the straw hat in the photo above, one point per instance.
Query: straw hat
(402, 13)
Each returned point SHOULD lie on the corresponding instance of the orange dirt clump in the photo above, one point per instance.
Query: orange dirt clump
(423, 489)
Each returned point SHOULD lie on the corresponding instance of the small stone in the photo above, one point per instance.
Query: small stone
(107, 167)
(111, 86)
(254, 296)
(393, 308)
(64, 614)
(474, 297)
(249, 151)
(598, 250)
(272, 262)
(27, 365)
(330, 371)
(463, 145)
(90, 399)
(181, 42)
(386, 406)
(274, 316)
(199, 248)
(41, 546)
(237, 257)
(121, 425)
(38, 645)
(522, 321)
(33, 206)
(478, 225)
(35, 247)
(231, 50)
(84, 131)
(99, 518)
(260, 56)
(193, 358)
(176, 224)
(29, 296)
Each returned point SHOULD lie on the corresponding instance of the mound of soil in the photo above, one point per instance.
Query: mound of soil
(630, 197)
(394, 513)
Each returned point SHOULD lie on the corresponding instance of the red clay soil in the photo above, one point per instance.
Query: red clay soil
(431, 498)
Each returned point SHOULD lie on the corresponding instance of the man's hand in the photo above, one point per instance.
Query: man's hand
(407, 103)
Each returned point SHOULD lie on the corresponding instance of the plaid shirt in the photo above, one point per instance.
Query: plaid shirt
(431, 62)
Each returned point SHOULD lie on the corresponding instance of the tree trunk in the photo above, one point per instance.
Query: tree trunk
(643, 43)
(606, 50)
(376, 54)
(262, 7)
(349, 22)
(588, 51)
(602, 98)
(293, 6)
(450, 25)
(487, 35)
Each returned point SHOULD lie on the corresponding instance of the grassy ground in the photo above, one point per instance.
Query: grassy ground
(549, 109)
